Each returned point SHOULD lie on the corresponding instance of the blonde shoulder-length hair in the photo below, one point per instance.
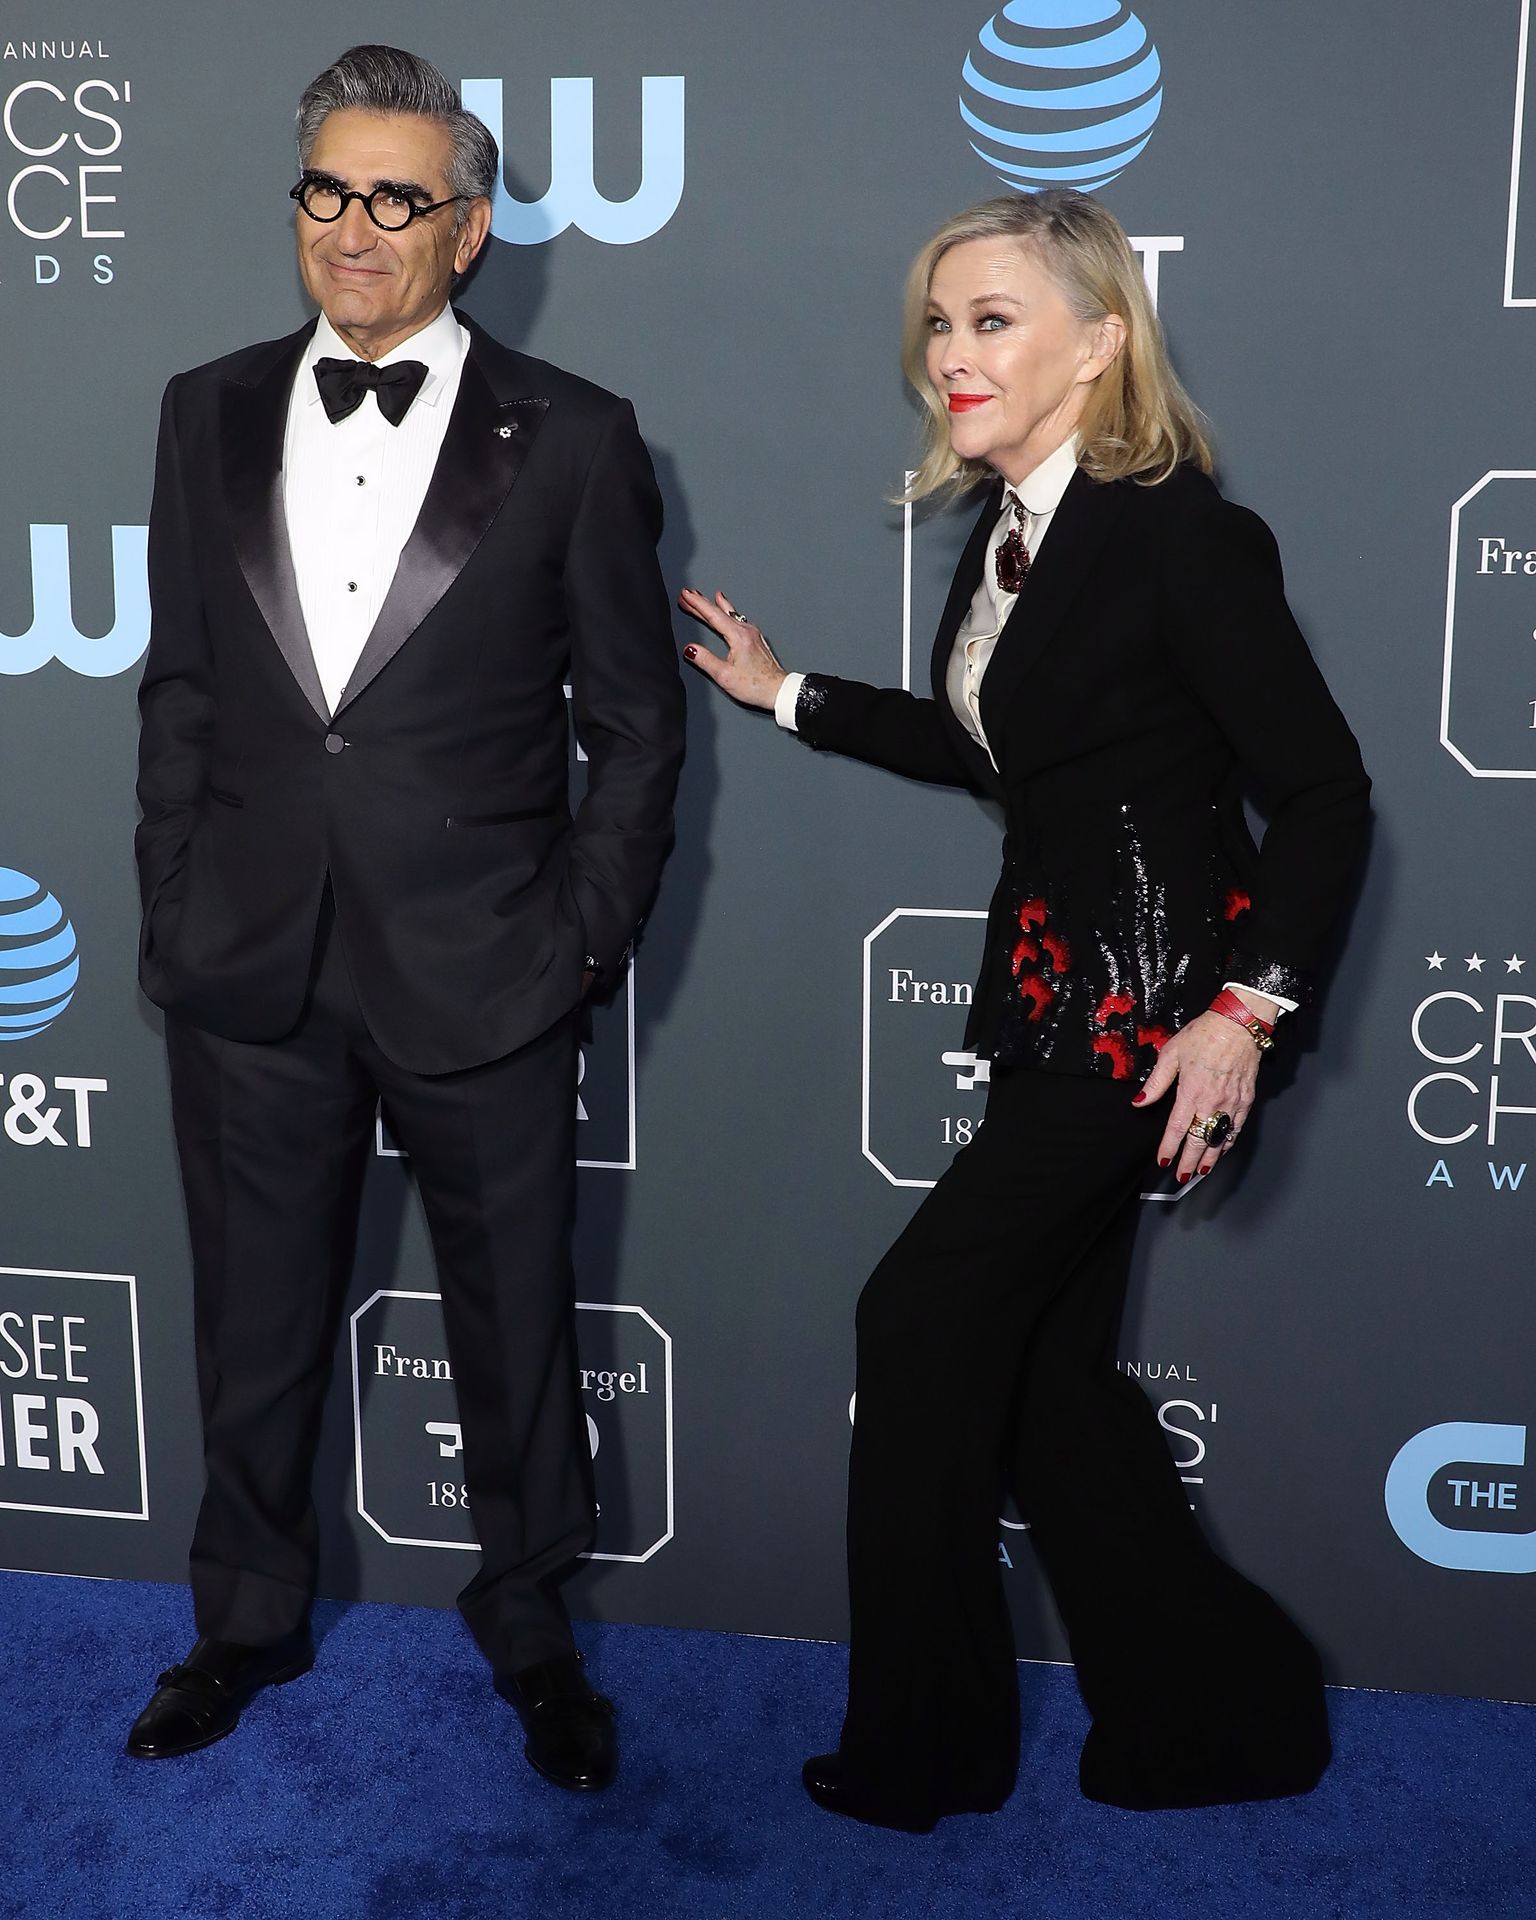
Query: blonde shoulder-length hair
(1138, 422)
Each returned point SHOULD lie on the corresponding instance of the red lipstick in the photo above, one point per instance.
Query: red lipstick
(964, 402)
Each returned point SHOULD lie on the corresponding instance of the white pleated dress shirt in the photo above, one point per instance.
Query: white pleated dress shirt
(977, 636)
(352, 490)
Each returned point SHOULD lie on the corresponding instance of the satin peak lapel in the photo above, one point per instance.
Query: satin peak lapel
(253, 422)
(482, 453)
(1078, 531)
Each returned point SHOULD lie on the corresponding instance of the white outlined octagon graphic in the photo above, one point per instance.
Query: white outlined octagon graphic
(958, 1061)
(471, 1546)
(1449, 680)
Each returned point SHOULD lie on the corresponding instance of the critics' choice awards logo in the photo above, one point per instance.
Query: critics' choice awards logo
(62, 134)
(1456, 1496)
(409, 1444)
(573, 198)
(54, 634)
(1189, 1422)
(71, 1394)
(1061, 93)
(1488, 687)
(1472, 1101)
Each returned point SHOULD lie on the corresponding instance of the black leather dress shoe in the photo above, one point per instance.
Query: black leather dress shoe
(200, 1701)
(569, 1727)
(826, 1780)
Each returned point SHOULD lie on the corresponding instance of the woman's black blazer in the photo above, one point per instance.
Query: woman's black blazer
(1149, 674)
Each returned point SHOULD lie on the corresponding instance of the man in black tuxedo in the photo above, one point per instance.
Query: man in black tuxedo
(378, 550)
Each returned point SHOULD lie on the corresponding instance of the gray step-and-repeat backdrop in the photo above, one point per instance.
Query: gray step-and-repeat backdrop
(710, 209)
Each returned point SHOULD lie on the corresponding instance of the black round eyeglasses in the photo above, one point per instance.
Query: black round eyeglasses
(325, 200)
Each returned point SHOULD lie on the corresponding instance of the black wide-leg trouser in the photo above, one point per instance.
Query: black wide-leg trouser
(273, 1141)
(986, 1358)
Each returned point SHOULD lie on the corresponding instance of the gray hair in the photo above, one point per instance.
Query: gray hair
(389, 80)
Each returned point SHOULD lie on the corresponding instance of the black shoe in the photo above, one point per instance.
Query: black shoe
(200, 1701)
(569, 1727)
(826, 1780)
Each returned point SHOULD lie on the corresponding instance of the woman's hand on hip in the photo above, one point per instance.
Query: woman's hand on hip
(1212, 1067)
(748, 673)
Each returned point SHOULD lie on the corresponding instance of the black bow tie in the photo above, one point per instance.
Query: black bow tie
(344, 383)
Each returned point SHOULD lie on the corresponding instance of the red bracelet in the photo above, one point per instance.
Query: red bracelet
(1260, 1032)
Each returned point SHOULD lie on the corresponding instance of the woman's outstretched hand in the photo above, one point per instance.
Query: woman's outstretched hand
(748, 673)
(1212, 1067)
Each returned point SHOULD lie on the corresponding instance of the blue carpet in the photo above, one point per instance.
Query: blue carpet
(388, 1785)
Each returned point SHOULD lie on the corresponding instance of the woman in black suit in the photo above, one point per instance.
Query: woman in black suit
(1116, 664)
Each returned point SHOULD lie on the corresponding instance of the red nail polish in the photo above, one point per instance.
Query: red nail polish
(1137, 1099)
(1182, 1178)
(690, 653)
(1163, 1163)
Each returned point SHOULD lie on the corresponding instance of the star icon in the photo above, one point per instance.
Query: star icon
(1474, 963)
(1514, 964)
(1436, 961)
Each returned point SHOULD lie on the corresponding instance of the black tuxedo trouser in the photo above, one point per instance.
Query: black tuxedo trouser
(273, 1141)
(986, 1357)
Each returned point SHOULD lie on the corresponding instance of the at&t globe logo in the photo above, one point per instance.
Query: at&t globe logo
(39, 961)
(1061, 93)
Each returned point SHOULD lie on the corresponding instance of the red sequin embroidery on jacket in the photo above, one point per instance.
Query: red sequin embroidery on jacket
(1041, 958)
(1115, 1042)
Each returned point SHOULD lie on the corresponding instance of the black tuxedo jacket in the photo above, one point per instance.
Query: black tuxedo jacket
(435, 797)
(1149, 672)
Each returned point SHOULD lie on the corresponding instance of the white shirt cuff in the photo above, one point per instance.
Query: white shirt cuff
(1285, 1006)
(788, 699)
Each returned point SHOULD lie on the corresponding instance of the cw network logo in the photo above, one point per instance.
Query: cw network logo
(54, 635)
(573, 199)
(1061, 93)
(1446, 1468)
